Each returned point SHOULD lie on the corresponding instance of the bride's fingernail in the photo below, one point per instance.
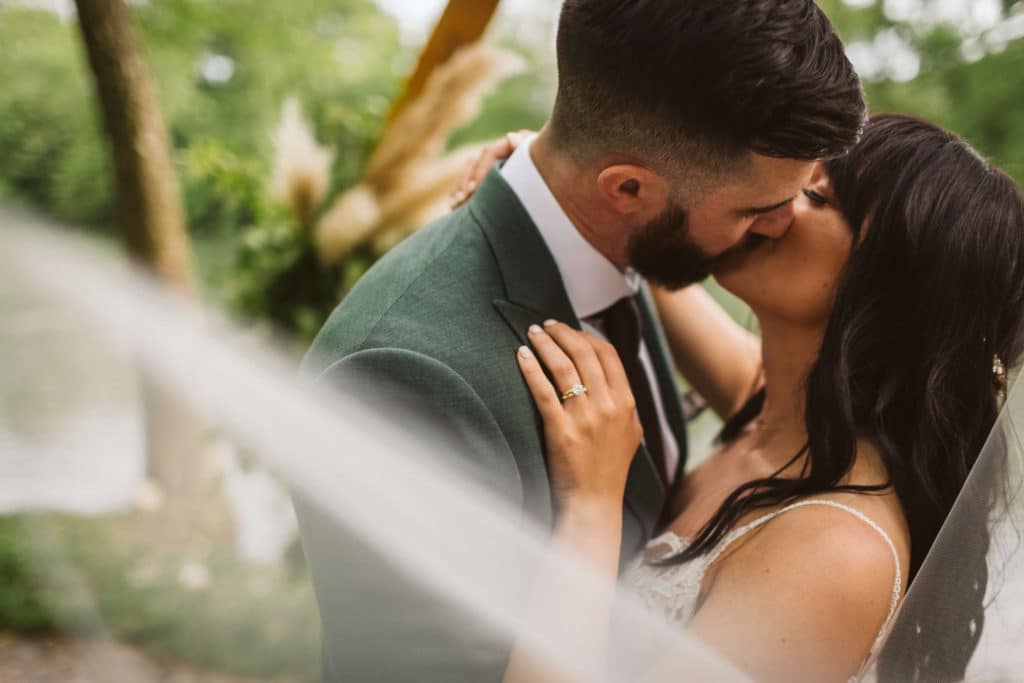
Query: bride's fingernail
(535, 329)
(549, 322)
(525, 353)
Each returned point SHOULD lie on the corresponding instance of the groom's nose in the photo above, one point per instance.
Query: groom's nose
(775, 224)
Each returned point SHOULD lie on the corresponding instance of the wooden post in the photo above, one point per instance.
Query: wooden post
(463, 22)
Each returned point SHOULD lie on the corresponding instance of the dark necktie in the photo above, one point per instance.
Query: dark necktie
(623, 327)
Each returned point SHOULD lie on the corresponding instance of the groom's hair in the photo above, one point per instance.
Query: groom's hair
(703, 82)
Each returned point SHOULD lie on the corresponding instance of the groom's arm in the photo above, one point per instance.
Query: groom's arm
(379, 625)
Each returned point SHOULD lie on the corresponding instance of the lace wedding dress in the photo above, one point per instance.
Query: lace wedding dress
(675, 589)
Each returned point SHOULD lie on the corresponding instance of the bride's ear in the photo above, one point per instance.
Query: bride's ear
(632, 190)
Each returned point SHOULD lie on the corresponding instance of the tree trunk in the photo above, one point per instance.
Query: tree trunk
(148, 201)
(151, 221)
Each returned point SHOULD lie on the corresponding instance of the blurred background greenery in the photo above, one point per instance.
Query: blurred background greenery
(223, 71)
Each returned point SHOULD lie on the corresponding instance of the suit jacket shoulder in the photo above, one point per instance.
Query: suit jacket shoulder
(415, 296)
(430, 400)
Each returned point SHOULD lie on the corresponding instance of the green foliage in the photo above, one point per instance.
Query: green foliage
(279, 278)
(99, 577)
(979, 100)
(337, 56)
(53, 152)
(21, 606)
(225, 190)
(345, 62)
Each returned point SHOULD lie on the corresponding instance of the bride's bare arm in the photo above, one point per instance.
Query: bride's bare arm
(719, 358)
(591, 439)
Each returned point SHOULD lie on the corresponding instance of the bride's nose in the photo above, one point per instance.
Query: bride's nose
(775, 224)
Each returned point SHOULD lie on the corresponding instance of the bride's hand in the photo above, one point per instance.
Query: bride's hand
(476, 169)
(591, 438)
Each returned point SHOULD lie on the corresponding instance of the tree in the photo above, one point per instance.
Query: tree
(150, 216)
(148, 201)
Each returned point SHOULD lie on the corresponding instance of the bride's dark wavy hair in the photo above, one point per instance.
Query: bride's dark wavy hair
(933, 288)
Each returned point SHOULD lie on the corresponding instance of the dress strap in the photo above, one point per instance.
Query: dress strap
(897, 584)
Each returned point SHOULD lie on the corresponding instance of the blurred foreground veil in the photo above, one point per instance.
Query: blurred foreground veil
(963, 615)
(395, 512)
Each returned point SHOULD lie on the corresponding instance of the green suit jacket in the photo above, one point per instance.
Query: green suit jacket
(439, 318)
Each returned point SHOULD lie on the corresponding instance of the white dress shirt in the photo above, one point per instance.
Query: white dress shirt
(592, 282)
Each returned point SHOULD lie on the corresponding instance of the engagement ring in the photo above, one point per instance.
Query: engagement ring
(574, 391)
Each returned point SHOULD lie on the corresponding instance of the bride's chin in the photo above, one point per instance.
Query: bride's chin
(737, 275)
(743, 284)
(728, 281)
(730, 277)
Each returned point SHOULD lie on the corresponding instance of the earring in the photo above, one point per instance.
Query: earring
(999, 373)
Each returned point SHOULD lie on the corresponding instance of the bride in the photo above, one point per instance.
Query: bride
(888, 312)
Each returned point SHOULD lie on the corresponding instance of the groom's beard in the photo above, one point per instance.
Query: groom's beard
(663, 253)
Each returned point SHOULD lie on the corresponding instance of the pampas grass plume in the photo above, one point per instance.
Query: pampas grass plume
(408, 179)
(351, 220)
(302, 167)
(451, 97)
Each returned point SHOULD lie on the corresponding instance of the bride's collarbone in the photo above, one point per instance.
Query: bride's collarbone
(706, 487)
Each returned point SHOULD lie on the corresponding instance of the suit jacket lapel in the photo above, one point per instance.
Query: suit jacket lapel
(519, 318)
(532, 281)
(535, 292)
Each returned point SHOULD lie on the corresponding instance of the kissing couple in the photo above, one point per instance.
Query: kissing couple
(545, 317)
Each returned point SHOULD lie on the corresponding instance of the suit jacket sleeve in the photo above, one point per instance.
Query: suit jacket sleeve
(377, 624)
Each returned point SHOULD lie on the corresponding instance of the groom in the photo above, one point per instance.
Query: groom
(681, 132)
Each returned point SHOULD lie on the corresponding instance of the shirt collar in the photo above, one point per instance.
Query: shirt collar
(592, 282)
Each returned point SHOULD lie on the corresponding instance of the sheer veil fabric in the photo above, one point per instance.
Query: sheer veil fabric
(392, 490)
(963, 615)
(382, 475)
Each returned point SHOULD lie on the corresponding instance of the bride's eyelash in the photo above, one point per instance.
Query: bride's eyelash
(815, 197)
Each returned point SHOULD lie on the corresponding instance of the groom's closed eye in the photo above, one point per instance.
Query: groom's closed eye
(755, 211)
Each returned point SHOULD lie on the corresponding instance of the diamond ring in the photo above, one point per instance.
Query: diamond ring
(574, 391)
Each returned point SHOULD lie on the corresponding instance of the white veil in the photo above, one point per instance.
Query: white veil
(378, 474)
(963, 616)
(388, 494)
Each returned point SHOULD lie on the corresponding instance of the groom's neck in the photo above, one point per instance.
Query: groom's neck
(575, 189)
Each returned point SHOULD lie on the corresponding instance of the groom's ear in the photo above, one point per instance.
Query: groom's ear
(633, 190)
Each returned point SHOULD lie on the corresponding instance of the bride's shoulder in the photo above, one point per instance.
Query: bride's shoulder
(816, 558)
(818, 534)
(814, 585)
